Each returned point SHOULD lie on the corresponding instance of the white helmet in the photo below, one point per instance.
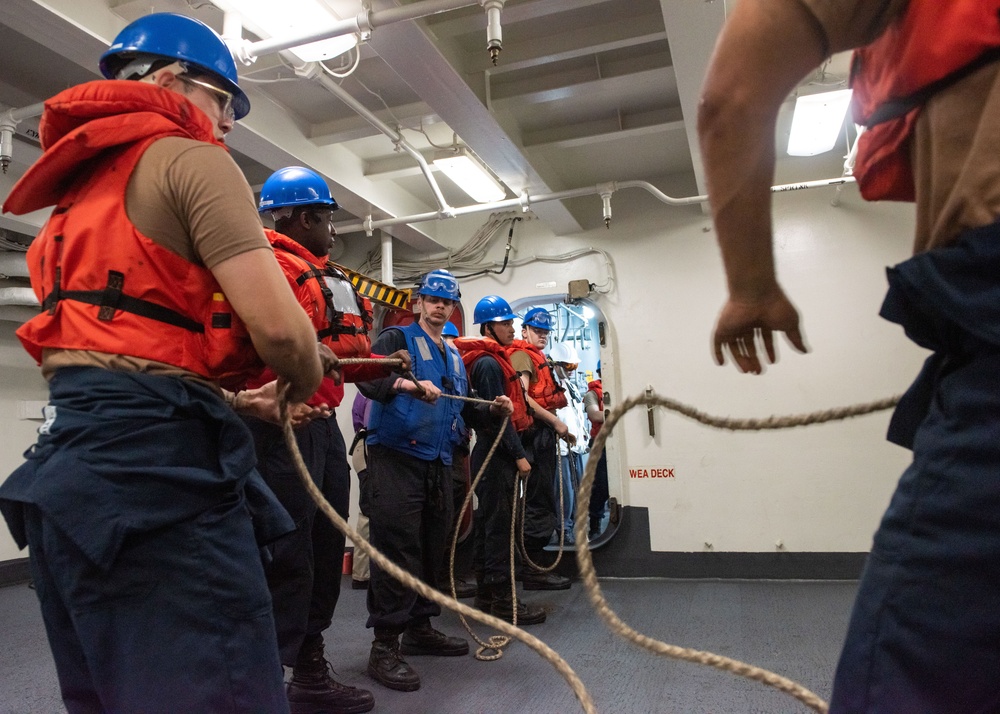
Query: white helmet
(565, 353)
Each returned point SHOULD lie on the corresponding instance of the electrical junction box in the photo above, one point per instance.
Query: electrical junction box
(579, 289)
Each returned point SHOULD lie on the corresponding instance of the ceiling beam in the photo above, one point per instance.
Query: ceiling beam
(692, 28)
(412, 55)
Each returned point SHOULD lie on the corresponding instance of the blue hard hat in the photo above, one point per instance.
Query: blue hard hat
(538, 317)
(176, 37)
(440, 283)
(295, 186)
(492, 308)
(449, 330)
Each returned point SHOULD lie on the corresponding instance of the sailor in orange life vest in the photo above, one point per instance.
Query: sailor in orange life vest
(411, 437)
(544, 395)
(305, 566)
(924, 635)
(490, 376)
(157, 286)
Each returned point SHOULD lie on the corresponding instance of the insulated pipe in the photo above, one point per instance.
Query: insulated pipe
(386, 241)
(13, 265)
(18, 296)
(525, 200)
(394, 135)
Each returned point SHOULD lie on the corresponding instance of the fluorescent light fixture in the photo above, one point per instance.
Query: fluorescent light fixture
(817, 122)
(270, 18)
(470, 175)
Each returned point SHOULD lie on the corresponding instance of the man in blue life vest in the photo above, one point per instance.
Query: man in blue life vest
(158, 288)
(412, 433)
(924, 635)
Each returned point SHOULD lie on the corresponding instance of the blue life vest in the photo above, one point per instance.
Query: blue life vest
(426, 431)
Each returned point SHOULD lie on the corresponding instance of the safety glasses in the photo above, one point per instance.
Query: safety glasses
(224, 98)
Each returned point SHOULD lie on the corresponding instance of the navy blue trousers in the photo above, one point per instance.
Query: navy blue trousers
(924, 636)
(409, 516)
(304, 568)
(139, 502)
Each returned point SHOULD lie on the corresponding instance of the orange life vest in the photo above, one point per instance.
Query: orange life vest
(472, 348)
(545, 391)
(596, 387)
(932, 44)
(103, 285)
(342, 318)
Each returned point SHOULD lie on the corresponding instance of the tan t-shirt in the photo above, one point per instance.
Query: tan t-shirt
(521, 361)
(955, 158)
(191, 198)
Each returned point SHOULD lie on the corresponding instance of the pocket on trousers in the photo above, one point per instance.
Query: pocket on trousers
(230, 560)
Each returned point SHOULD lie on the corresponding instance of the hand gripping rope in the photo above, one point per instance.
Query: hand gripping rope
(586, 566)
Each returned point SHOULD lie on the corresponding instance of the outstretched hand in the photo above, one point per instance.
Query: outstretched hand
(743, 328)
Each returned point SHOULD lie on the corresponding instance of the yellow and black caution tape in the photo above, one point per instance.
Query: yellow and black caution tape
(377, 292)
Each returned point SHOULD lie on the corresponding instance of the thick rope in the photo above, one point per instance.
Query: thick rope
(496, 643)
(586, 564)
(414, 583)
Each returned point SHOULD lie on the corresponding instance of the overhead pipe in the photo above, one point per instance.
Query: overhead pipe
(362, 23)
(524, 202)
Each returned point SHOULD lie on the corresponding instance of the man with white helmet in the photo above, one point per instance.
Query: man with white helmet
(157, 286)
(411, 436)
(305, 566)
(565, 360)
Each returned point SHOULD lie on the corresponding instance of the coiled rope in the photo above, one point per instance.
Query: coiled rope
(586, 564)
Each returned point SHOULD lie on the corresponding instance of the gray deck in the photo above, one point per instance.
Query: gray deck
(792, 627)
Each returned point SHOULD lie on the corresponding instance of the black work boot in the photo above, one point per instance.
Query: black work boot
(422, 639)
(484, 596)
(313, 691)
(387, 666)
(463, 588)
(534, 580)
(503, 607)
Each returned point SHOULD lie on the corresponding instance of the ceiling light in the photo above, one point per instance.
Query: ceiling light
(470, 175)
(817, 122)
(267, 18)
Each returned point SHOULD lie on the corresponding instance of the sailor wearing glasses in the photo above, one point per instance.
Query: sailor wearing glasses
(159, 288)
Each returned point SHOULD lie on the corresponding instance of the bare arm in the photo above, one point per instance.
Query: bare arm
(280, 329)
(765, 49)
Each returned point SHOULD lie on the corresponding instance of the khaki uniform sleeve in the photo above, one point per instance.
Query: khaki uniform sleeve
(192, 198)
(847, 24)
(522, 363)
